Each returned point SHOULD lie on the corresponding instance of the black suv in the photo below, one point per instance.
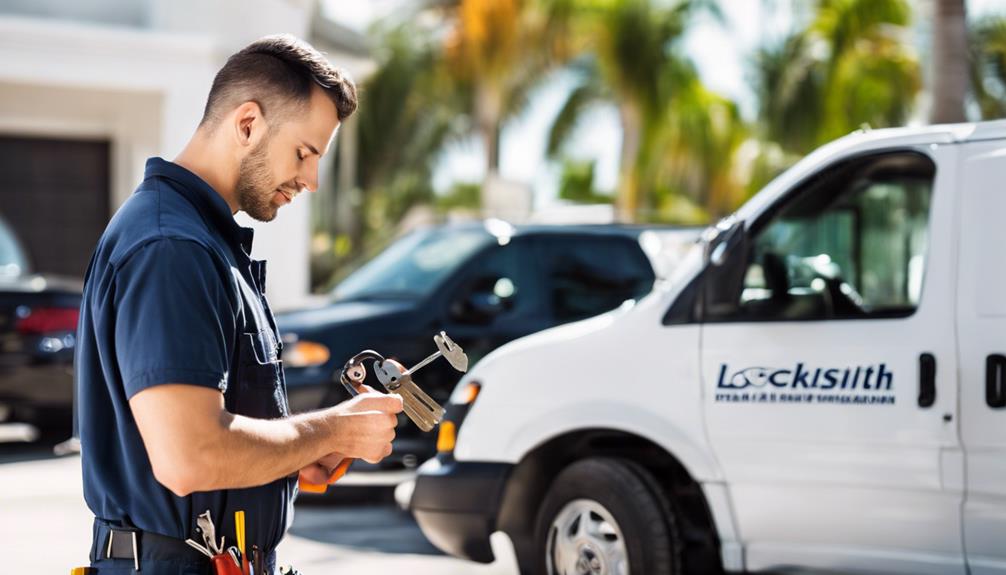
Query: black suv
(38, 323)
(484, 283)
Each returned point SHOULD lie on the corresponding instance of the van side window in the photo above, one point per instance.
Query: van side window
(851, 244)
(589, 276)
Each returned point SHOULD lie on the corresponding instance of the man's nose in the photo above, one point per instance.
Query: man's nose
(308, 179)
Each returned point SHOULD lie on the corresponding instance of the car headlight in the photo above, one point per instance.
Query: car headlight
(306, 354)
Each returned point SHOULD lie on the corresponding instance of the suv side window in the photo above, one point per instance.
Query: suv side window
(850, 244)
(588, 275)
(502, 281)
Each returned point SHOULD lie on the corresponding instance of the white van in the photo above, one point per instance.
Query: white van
(820, 387)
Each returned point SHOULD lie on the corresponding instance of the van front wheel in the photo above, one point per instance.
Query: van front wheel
(604, 516)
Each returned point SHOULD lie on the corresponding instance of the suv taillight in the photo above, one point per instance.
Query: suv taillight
(48, 319)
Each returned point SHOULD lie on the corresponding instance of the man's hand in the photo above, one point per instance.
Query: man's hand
(364, 426)
(195, 444)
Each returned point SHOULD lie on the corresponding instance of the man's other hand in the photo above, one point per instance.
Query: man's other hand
(319, 472)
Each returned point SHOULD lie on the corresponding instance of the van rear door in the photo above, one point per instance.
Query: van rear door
(829, 367)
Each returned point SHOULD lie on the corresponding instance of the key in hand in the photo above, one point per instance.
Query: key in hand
(447, 348)
(419, 407)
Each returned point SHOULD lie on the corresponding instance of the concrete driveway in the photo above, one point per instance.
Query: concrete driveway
(46, 528)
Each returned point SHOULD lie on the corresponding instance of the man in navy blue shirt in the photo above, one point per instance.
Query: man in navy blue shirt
(181, 396)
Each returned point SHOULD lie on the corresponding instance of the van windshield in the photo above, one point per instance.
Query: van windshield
(413, 266)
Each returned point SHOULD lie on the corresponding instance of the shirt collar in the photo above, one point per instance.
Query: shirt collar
(209, 203)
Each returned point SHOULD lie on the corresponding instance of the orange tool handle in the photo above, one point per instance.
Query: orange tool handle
(223, 564)
(337, 474)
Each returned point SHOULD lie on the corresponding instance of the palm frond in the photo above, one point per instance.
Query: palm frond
(569, 115)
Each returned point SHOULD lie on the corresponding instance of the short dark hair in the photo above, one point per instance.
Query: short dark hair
(277, 72)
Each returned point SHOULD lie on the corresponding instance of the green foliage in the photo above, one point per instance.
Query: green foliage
(631, 56)
(696, 144)
(679, 209)
(498, 51)
(988, 60)
(576, 183)
(462, 196)
(850, 66)
(687, 154)
(410, 108)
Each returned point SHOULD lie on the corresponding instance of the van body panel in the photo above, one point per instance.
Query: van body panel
(981, 328)
(648, 391)
(821, 560)
(811, 461)
(731, 550)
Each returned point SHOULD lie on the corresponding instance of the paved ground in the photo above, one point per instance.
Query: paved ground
(45, 527)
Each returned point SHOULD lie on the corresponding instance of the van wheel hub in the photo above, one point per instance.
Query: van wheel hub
(585, 539)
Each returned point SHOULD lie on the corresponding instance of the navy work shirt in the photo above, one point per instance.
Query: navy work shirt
(172, 296)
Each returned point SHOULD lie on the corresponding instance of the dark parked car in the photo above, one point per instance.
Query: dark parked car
(38, 322)
(483, 283)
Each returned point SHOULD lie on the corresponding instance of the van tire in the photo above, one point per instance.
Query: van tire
(626, 491)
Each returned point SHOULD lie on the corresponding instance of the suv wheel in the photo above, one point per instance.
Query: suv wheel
(604, 516)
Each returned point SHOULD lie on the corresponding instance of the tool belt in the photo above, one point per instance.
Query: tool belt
(135, 545)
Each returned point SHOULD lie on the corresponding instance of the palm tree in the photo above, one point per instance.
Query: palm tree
(411, 108)
(692, 164)
(950, 54)
(850, 66)
(988, 72)
(633, 59)
(499, 50)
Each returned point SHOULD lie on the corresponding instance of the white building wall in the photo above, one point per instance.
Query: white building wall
(143, 84)
(140, 89)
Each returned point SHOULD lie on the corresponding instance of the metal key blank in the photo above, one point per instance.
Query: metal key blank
(447, 348)
(419, 407)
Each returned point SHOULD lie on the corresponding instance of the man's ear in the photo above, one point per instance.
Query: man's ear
(249, 124)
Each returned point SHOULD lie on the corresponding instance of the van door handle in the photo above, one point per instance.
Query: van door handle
(927, 380)
(995, 373)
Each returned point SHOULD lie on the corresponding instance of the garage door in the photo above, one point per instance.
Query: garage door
(55, 194)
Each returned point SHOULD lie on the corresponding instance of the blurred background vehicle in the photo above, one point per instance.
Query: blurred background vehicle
(38, 321)
(484, 283)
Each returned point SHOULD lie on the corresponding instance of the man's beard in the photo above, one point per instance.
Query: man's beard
(254, 188)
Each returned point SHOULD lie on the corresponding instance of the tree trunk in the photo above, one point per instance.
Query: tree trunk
(627, 200)
(950, 62)
(491, 141)
(488, 111)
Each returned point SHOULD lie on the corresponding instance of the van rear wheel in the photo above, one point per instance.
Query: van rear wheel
(603, 516)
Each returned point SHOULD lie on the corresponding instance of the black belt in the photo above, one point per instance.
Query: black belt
(113, 542)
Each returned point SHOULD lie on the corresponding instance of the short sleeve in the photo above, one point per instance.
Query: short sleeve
(174, 320)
